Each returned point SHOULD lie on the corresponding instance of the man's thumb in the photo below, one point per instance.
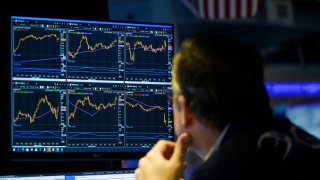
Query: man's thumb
(181, 147)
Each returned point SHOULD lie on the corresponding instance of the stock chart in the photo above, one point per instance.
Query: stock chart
(93, 56)
(36, 53)
(148, 117)
(93, 119)
(88, 86)
(147, 58)
(37, 118)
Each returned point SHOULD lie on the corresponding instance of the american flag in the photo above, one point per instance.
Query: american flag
(223, 9)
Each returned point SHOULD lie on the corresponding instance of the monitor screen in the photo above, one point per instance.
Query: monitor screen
(299, 102)
(86, 88)
(307, 116)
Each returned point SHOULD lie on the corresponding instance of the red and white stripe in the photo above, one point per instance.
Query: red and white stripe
(227, 9)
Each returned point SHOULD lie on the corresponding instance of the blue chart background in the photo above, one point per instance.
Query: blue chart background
(91, 125)
(98, 62)
(45, 127)
(147, 64)
(146, 126)
(36, 56)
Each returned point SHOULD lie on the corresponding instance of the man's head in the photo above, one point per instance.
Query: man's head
(218, 80)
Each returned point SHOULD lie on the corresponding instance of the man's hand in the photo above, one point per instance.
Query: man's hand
(165, 160)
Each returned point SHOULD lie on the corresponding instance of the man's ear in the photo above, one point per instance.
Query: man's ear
(187, 118)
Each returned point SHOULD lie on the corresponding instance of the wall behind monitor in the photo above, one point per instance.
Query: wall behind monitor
(68, 9)
(158, 11)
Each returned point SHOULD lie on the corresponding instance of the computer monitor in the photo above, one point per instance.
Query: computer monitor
(89, 89)
(299, 102)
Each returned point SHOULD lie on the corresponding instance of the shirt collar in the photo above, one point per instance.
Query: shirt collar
(217, 144)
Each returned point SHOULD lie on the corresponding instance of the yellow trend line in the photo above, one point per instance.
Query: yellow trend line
(144, 109)
(149, 109)
(145, 48)
(91, 48)
(35, 38)
(95, 106)
(55, 111)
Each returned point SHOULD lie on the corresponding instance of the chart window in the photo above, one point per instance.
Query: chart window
(89, 86)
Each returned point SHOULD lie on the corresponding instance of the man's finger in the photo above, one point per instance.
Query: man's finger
(142, 162)
(181, 147)
(162, 148)
(137, 173)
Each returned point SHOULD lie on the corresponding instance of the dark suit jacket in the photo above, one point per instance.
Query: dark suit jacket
(278, 150)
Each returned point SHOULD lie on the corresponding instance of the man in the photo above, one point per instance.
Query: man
(222, 112)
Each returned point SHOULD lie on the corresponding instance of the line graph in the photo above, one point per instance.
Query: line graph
(93, 118)
(91, 49)
(147, 117)
(32, 117)
(36, 52)
(147, 57)
(36, 38)
(142, 106)
(37, 117)
(139, 45)
(37, 134)
(93, 56)
(29, 111)
(93, 135)
(148, 107)
(87, 101)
